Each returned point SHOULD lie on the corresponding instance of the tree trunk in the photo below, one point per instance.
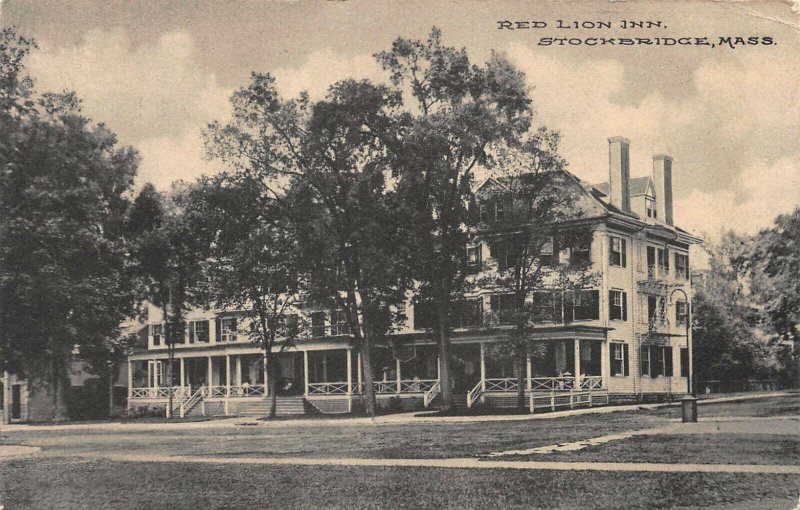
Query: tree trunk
(169, 378)
(111, 374)
(444, 364)
(369, 386)
(58, 376)
(272, 384)
(520, 362)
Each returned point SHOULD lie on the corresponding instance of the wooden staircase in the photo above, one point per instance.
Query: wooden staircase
(286, 406)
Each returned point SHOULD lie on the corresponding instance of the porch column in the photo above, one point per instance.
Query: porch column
(305, 372)
(483, 367)
(130, 380)
(349, 372)
(577, 364)
(529, 371)
(183, 372)
(397, 364)
(359, 374)
(210, 381)
(6, 398)
(227, 376)
(438, 369)
(156, 374)
(238, 371)
(604, 363)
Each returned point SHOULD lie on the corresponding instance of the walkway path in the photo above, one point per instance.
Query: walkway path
(462, 463)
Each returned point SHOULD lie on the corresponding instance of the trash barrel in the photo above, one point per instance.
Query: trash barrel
(689, 409)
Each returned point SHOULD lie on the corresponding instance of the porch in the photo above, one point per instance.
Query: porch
(559, 373)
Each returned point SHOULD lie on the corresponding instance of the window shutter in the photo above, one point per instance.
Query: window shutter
(594, 299)
(610, 305)
(624, 306)
(569, 307)
(611, 357)
(668, 361)
(625, 366)
(218, 329)
(624, 253)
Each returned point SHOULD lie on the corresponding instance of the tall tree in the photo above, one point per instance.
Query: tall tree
(539, 199)
(63, 197)
(457, 112)
(774, 266)
(728, 345)
(252, 264)
(332, 155)
(166, 258)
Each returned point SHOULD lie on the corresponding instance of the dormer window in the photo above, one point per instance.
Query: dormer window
(492, 211)
(650, 207)
(473, 259)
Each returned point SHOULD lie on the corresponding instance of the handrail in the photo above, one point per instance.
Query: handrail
(431, 394)
(327, 388)
(190, 402)
(474, 393)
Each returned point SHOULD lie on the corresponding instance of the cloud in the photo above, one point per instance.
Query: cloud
(154, 96)
(323, 68)
(733, 134)
(767, 191)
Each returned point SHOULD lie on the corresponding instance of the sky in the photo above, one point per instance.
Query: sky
(156, 72)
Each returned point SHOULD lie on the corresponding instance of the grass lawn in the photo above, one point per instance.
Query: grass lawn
(71, 484)
(688, 449)
(414, 440)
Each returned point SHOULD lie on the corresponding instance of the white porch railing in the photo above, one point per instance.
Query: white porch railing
(592, 382)
(503, 384)
(552, 383)
(216, 391)
(160, 392)
(474, 394)
(431, 394)
(189, 403)
(248, 390)
(417, 386)
(327, 388)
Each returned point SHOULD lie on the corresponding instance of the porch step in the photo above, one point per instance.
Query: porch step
(285, 406)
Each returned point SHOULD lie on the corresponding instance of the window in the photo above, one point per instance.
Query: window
(547, 306)
(684, 353)
(618, 255)
(580, 253)
(339, 325)
(618, 305)
(226, 329)
(491, 212)
(663, 261)
(484, 212)
(503, 306)
(585, 305)
(681, 313)
(473, 259)
(499, 212)
(548, 255)
(656, 307)
(291, 325)
(157, 332)
(198, 331)
(650, 207)
(424, 315)
(471, 313)
(619, 359)
(503, 253)
(651, 262)
(682, 266)
(656, 360)
(318, 324)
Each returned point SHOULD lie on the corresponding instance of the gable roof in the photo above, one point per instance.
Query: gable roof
(637, 186)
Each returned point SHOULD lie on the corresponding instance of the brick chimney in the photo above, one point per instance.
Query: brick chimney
(662, 178)
(620, 173)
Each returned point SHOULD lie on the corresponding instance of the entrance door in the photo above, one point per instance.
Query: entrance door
(16, 402)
